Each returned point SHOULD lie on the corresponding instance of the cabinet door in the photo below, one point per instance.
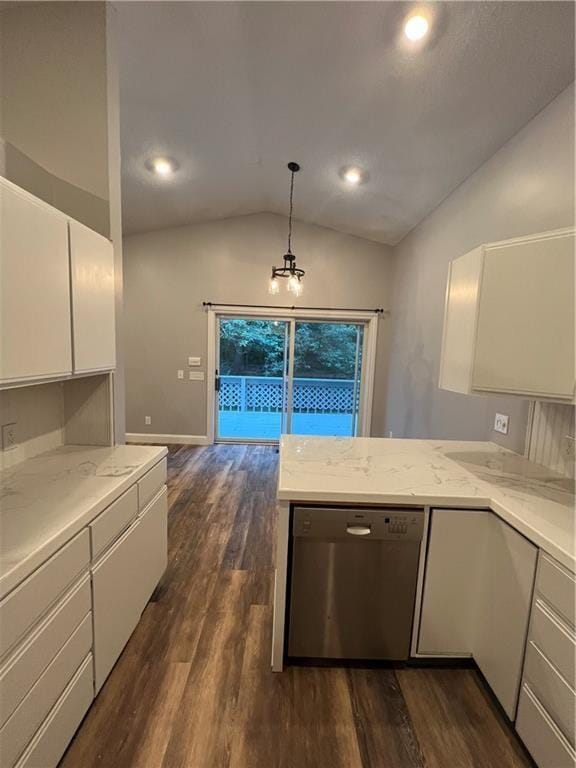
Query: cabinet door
(503, 610)
(123, 581)
(456, 550)
(525, 332)
(92, 264)
(34, 289)
(460, 311)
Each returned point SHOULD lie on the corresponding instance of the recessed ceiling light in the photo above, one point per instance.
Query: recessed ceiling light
(162, 166)
(352, 175)
(416, 27)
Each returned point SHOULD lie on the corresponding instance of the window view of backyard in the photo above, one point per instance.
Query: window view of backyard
(253, 388)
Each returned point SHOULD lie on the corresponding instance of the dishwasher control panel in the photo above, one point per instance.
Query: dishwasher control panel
(356, 523)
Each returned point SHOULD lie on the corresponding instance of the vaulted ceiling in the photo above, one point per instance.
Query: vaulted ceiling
(233, 91)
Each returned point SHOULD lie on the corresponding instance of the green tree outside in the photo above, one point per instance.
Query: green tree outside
(256, 348)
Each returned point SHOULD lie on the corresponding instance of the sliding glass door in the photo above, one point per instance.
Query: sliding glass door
(278, 375)
(326, 378)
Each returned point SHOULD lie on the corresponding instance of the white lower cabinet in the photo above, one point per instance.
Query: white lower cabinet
(476, 597)
(456, 544)
(541, 736)
(63, 628)
(50, 743)
(504, 599)
(123, 581)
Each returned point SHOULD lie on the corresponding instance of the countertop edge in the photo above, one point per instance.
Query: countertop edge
(564, 557)
(35, 559)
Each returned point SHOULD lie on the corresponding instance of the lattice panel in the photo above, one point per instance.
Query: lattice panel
(230, 393)
(264, 396)
(315, 398)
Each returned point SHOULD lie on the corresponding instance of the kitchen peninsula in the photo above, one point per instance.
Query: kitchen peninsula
(497, 551)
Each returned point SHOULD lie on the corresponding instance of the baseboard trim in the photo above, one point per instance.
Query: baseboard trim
(135, 437)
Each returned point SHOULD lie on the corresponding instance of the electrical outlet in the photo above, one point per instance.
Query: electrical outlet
(9, 439)
(501, 423)
(180, 374)
(147, 420)
(196, 375)
(194, 361)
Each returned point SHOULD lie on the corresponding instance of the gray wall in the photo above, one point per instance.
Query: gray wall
(59, 121)
(526, 187)
(168, 274)
(53, 105)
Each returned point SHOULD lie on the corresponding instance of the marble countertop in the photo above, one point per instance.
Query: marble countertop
(530, 497)
(46, 500)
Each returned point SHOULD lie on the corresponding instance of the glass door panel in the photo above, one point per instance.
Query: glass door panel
(326, 378)
(251, 373)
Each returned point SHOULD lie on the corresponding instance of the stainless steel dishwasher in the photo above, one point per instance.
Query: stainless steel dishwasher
(353, 582)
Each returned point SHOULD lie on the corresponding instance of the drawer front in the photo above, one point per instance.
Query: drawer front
(557, 586)
(56, 732)
(25, 666)
(25, 721)
(123, 581)
(552, 690)
(557, 642)
(28, 602)
(541, 737)
(116, 518)
(151, 483)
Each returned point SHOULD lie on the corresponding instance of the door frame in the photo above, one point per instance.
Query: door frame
(370, 319)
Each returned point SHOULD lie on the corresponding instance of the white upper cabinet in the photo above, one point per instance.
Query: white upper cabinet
(92, 280)
(56, 292)
(509, 319)
(35, 332)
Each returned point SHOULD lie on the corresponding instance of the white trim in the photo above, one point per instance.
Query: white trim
(146, 438)
(368, 362)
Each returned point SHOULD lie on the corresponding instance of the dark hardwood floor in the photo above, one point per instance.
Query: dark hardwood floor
(194, 687)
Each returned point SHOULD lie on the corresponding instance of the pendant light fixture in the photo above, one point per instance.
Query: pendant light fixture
(290, 271)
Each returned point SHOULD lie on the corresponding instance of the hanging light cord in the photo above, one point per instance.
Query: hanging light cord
(290, 216)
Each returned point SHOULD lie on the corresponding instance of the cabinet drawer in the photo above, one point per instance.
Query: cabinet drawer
(51, 741)
(24, 667)
(123, 581)
(25, 721)
(542, 738)
(151, 483)
(556, 642)
(551, 689)
(557, 586)
(28, 602)
(110, 524)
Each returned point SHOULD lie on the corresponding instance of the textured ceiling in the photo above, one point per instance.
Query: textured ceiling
(233, 91)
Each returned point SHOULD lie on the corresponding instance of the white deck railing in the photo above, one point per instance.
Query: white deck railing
(266, 394)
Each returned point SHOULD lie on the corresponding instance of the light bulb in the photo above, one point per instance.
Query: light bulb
(416, 28)
(162, 166)
(273, 286)
(352, 176)
(295, 286)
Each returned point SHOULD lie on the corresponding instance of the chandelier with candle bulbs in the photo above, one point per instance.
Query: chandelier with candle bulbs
(289, 270)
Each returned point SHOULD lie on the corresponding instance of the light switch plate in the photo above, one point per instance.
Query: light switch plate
(194, 361)
(9, 437)
(501, 423)
(196, 375)
(180, 374)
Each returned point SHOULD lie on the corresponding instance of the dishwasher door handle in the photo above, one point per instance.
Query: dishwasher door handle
(358, 530)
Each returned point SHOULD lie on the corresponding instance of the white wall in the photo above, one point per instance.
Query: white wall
(167, 275)
(526, 187)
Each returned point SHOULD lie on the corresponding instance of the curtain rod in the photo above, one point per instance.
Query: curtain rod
(378, 310)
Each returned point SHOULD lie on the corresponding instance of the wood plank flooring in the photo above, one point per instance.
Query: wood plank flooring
(194, 687)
